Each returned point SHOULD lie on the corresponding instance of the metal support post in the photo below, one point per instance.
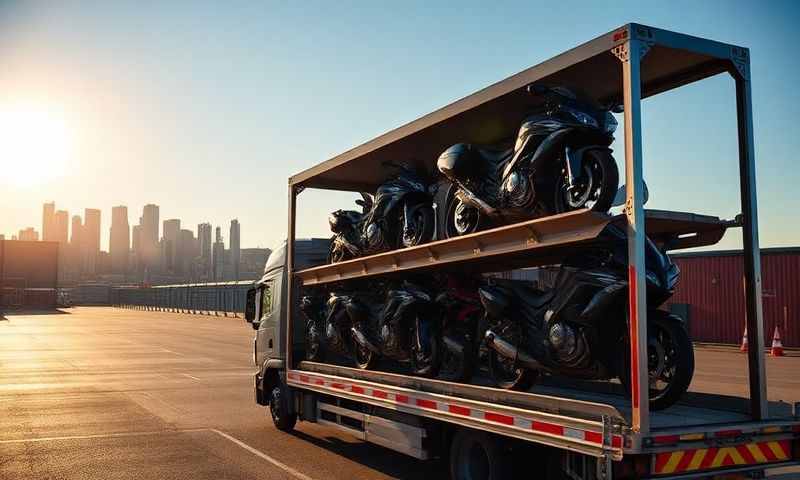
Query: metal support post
(752, 253)
(630, 54)
(290, 273)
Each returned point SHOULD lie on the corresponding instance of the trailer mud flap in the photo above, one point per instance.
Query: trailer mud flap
(700, 459)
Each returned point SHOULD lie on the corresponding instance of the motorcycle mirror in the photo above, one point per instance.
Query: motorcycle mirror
(621, 196)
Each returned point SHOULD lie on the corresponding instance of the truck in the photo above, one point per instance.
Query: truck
(477, 428)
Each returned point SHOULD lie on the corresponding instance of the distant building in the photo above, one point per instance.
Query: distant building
(187, 250)
(60, 228)
(218, 269)
(235, 248)
(203, 264)
(169, 244)
(149, 236)
(48, 213)
(90, 241)
(74, 253)
(28, 235)
(28, 273)
(251, 266)
(119, 240)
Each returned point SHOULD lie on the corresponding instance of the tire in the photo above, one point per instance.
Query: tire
(424, 221)
(677, 368)
(457, 366)
(279, 410)
(469, 217)
(426, 366)
(476, 455)
(363, 357)
(600, 168)
(521, 379)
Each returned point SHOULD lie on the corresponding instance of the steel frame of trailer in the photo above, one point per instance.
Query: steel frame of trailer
(630, 44)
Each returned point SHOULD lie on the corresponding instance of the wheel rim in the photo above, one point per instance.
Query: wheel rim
(461, 218)
(661, 362)
(588, 189)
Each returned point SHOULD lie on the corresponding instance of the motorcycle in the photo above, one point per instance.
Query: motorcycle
(559, 162)
(402, 328)
(399, 215)
(579, 329)
(462, 325)
(329, 328)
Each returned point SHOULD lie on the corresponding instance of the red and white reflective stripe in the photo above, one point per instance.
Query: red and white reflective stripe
(452, 408)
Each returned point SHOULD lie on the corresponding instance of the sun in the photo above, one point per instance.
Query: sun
(35, 144)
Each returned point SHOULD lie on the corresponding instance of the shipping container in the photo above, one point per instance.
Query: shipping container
(712, 288)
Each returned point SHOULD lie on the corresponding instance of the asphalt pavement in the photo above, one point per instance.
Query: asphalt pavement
(100, 392)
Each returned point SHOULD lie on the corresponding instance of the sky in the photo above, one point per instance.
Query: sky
(206, 111)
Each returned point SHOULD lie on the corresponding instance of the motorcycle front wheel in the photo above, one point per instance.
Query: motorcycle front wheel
(460, 218)
(363, 357)
(421, 225)
(426, 362)
(595, 187)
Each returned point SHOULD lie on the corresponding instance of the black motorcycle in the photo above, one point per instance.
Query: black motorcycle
(329, 331)
(400, 326)
(560, 162)
(579, 329)
(399, 215)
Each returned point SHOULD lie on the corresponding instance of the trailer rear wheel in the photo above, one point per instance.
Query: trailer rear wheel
(477, 455)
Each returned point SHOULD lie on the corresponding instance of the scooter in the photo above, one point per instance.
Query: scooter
(579, 329)
(559, 162)
(399, 215)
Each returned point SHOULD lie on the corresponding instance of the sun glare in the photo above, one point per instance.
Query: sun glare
(35, 145)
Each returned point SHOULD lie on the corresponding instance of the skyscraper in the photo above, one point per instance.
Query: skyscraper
(218, 268)
(90, 240)
(185, 251)
(234, 241)
(172, 228)
(204, 266)
(119, 240)
(60, 228)
(75, 251)
(48, 211)
(149, 236)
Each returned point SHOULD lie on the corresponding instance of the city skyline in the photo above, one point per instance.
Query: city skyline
(153, 250)
(37, 222)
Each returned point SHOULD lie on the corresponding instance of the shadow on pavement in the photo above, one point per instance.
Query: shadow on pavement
(34, 311)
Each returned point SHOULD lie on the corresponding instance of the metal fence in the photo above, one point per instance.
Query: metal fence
(199, 298)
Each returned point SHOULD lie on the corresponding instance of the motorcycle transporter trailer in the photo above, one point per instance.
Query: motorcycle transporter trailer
(585, 435)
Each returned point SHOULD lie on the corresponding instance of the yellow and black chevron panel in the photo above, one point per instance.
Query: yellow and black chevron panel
(709, 458)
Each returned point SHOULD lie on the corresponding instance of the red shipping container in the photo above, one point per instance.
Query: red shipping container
(712, 285)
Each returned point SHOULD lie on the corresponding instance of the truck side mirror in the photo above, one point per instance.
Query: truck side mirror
(250, 306)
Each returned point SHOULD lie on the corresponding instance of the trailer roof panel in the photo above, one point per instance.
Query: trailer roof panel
(493, 115)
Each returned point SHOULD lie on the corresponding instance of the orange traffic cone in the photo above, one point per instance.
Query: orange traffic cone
(777, 346)
(743, 348)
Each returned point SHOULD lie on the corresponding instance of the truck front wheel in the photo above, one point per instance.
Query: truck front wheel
(477, 455)
(279, 408)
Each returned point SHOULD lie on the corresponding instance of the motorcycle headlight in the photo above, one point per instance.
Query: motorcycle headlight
(610, 123)
(583, 118)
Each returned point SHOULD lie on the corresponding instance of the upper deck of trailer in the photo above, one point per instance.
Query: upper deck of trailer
(493, 114)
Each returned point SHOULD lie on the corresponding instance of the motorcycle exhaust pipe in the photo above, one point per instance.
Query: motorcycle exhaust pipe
(508, 350)
(469, 198)
(363, 341)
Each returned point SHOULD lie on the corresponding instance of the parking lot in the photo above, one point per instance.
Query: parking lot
(111, 393)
